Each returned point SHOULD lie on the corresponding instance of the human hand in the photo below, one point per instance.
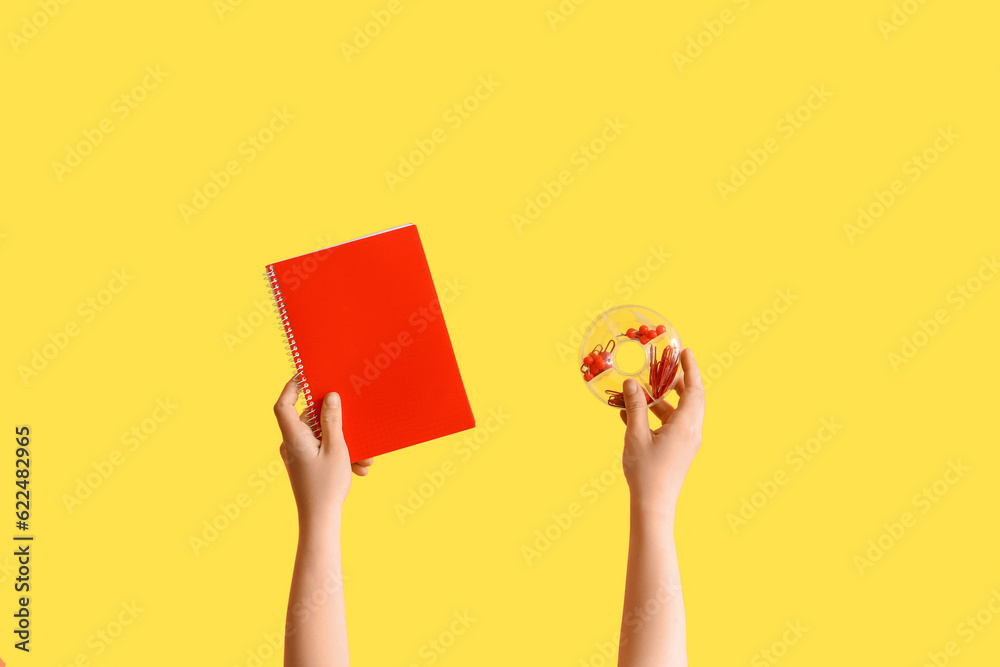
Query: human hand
(319, 471)
(656, 462)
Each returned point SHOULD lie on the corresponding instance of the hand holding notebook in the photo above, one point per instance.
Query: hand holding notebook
(362, 318)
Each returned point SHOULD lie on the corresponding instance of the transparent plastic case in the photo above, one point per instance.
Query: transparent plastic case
(630, 342)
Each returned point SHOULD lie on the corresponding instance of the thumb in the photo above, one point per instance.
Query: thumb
(636, 410)
(331, 418)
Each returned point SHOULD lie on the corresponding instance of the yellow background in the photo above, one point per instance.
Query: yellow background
(525, 293)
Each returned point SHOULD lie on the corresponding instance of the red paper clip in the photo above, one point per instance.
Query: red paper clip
(617, 399)
(662, 371)
(659, 377)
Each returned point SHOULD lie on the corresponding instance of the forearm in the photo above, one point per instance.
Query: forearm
(653, 630)
(316, 622)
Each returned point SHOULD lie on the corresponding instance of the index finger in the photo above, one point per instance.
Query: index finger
(691, 403)
(284, 409)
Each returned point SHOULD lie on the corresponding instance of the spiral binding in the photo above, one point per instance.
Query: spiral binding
(291, 349)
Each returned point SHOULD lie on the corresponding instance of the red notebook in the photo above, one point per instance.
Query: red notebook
(362, 318)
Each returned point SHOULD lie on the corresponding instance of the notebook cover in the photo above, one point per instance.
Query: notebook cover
(363, 319)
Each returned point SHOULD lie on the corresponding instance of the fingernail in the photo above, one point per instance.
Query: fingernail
(333, 400)
(631, 386)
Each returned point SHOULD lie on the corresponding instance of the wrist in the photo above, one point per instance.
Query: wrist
(658, 510)
(323, 525)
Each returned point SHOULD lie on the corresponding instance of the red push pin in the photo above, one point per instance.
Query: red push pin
(598, 361)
